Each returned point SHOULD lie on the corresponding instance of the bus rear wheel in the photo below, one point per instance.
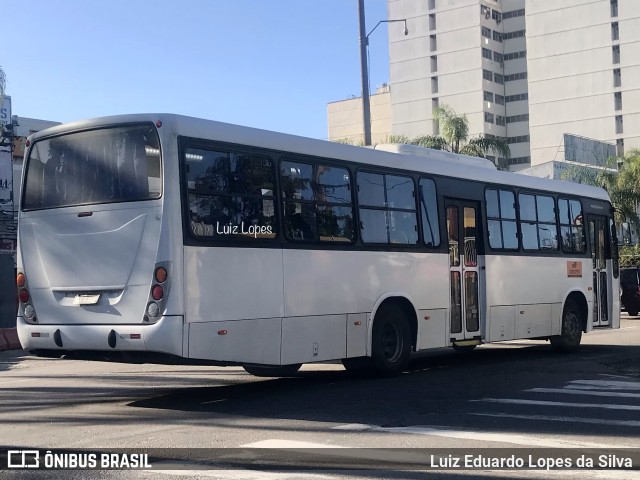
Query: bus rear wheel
(272, 370)
(569, 339)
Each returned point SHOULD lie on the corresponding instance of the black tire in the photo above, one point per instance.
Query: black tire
(464, 348)
(273, 370)
(632, 313)
(569, 339)
(391, 341)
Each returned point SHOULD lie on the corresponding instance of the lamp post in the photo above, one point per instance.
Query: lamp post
(364, 68)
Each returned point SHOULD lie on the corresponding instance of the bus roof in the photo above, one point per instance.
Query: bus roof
(436, 162)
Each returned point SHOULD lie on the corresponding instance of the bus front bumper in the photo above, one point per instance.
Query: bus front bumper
(164, 336)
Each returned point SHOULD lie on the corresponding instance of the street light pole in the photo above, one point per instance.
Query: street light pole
(364, 71)
(364, 68)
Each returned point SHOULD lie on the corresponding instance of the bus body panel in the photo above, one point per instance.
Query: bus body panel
(111, 253)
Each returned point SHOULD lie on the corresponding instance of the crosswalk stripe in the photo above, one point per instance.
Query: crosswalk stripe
(551, 418)
(595, 393)
(515, 439)
(609, 384)
(518, 401)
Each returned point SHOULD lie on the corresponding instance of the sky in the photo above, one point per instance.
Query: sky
(272, 64)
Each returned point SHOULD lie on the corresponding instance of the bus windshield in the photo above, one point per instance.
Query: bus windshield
(109, 165)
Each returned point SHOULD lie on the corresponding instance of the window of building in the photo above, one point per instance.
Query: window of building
(516, 98)
(487, 74)
(571, 226)
(538, 222)
(501, 219)
(486, 53)
(514, 55)
(614, 8)
(518, 160)
(516, 34)
(497, 36)
(496, 15)
(432, 4)
(498, 78)
(433, 44)
(485, 11)
(387, 209)
(500, 120)
(619, 125)
(434, 85)
(429, 209)
(617, 100)
(515, 76)
(615, 31)
(432, 21)
(316, 202)
(497, 57)
(620, 147)
(617, 77)
(434, 63)
(615, 51)
(488, 117)
(499, 99)
(518, 139)
(486, 32)
(488, 96)
(518, 118)
(231, 194)
(513, 13)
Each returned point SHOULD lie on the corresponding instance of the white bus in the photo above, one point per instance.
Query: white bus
(199, 240)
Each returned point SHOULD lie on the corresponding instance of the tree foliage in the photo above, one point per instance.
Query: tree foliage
(620, 177)
(3, 85)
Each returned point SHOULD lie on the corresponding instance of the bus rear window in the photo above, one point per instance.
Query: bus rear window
(109, 165)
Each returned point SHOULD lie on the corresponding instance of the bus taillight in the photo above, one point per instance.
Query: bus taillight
(157, 293)
(21, 280)
(24, 295)
(161, 275)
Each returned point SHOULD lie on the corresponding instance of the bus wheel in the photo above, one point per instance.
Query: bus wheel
(273, 370)
(569, 339)
(391, 341)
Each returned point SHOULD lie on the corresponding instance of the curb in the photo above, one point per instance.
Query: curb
(9, 339)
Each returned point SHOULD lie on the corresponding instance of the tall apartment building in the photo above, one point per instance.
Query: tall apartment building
(549, 77)
(468, 54)
(583, 73)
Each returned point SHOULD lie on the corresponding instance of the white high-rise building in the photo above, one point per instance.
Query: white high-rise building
(541, 75)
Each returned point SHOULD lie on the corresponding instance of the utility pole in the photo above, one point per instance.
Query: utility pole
(364, 70)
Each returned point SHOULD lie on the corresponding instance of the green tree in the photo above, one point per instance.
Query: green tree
(454, 137)
(620, 177)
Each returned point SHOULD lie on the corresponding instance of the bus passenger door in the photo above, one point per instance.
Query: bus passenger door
(599, 238)
(463, 235)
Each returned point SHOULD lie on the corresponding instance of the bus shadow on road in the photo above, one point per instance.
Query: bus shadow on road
(435, 390)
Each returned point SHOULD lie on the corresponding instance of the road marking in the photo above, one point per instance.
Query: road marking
(529, 440)
(606, 406)
(612, 384)
(551, 418)
(278, 443)
(595, 393)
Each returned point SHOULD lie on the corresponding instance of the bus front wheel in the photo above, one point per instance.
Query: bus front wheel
(391, 341)
(569, 339)
(272, 370)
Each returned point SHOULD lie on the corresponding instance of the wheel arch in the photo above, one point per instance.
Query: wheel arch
(406, 303)
(580, 299)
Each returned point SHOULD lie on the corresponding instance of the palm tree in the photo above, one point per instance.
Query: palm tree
(455, 137)
(3, 85)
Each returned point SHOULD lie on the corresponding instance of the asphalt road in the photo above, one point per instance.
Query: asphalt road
(517, 395)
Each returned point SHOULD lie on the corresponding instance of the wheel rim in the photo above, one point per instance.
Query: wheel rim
(391, 342)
